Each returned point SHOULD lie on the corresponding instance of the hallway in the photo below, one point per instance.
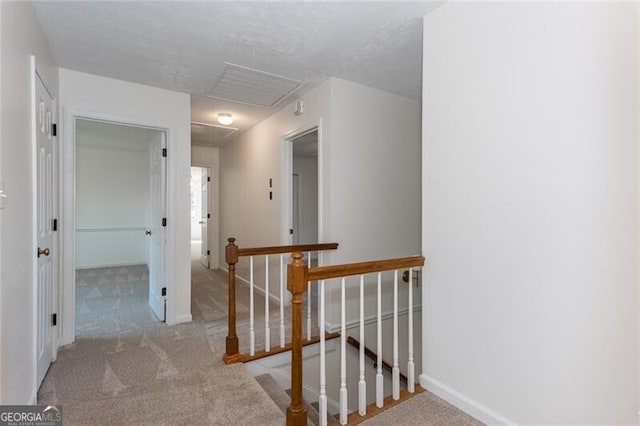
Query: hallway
(125, 367)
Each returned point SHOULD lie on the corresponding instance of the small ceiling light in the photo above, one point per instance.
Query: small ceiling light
(225, 118)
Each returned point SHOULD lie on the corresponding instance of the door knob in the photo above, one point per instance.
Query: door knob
(43, 252)
(147, 232)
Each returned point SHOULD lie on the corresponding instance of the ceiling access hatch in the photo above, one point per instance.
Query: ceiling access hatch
(250, 86)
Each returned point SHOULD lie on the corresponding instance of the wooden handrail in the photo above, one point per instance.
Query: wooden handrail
(374, 357)
(256, 251)
(298, 275)
(232, 255)
(349, 269)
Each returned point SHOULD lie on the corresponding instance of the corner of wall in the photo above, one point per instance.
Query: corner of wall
(464, 403)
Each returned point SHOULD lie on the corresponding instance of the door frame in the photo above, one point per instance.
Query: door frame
(287, 180)
(68, 208)
(214, 209)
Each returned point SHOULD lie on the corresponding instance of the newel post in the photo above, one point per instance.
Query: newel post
(296, 284)
(231, 258)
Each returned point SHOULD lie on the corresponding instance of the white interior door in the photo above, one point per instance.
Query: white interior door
(44, 193)
(204, 221)
(157, 275)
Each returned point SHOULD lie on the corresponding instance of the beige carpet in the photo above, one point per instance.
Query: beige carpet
(127, 368)
(424, 409)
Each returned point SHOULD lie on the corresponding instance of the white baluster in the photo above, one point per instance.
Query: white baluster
(379, 377)
(411, 382)
(343, 358)
(267, 329)
(322, 400)
(282, 333)
(309, 300)
(252, 332)
(362, 384)
(396, 366)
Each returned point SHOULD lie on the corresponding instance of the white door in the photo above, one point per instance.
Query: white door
(204, 221)
(44, 193)
(157, 280)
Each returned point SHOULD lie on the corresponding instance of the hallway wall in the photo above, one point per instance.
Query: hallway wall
(20, 36)
(530, 191)
(120, 101)
(369, 160)
(113, 201)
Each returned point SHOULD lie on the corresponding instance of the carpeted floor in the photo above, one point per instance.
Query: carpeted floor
(127, 368)
(424, 409)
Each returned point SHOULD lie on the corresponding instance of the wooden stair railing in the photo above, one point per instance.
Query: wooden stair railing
(298, 275)
(232, 255)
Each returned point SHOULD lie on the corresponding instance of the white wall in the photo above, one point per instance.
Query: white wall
(205, 156)
(112, 206)
(88, 95)
(369, 166)
(21, 36)
(248, 161)
(373, 205)
(251, 159)
(530, 159)
(307, 170)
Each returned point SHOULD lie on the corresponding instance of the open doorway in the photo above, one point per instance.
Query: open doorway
(120, 205)
(200, 215)
(304, 188)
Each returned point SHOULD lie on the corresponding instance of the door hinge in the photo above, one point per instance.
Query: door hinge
(208, 215)
(54, 129)
(164, 152)
(164, 221)
(208, 252)
(164, 291)
(208, 178)
(290, 231)
(54, 225)
(54, 320)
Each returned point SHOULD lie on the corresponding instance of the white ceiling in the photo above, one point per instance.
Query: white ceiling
(183, 46)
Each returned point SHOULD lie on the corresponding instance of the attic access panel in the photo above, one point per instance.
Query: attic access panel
(253, 87)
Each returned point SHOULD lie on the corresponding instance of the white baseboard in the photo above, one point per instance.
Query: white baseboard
(272, 297)
(463, 402)
(110, 265)
(182, 318)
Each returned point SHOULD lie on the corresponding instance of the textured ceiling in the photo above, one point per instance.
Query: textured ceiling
(183, 46)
